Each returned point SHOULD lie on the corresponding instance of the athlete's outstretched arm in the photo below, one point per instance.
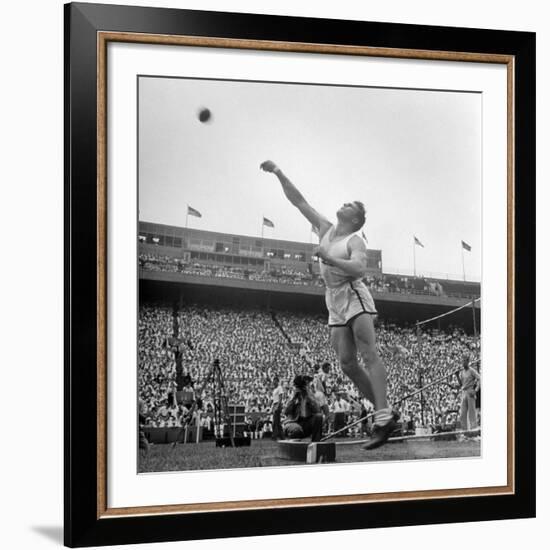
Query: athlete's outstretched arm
(296, 198)
(356, 266)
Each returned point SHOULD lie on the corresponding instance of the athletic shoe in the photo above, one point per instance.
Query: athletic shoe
(380, 435)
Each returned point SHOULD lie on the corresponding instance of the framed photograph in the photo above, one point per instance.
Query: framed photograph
(299, 272)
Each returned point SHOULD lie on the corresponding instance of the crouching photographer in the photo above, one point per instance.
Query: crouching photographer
(303, 413)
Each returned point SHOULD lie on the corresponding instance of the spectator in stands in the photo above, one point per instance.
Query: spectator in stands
(340, 404)
(166, 408)
(367, 408)
(285, 274)
(187, 394)
(469, 381)
(341, 409)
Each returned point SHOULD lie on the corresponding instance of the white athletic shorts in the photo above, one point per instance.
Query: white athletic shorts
(347, 301)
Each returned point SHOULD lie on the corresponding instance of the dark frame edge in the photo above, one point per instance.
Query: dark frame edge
(525, 270)
(68, 502)
(83, 528)
(80, 520)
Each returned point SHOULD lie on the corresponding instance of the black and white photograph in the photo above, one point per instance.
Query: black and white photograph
(309, 266)
(299, 274)
(270, 274)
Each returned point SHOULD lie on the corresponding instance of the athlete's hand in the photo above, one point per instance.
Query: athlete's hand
(269, 166)
(322, 253)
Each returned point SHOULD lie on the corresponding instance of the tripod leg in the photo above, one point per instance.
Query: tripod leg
(198, 426)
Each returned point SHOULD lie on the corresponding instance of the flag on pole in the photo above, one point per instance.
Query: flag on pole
(466, 246)
(416, 241)
(268, 223)
(364, 237)
(192, 212)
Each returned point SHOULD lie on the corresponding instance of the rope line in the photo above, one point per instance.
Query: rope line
(420, 323)
(477, 431)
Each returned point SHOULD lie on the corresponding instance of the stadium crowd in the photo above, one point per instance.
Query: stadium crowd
(255, 346)
(288, 275)
(282, 274)
(157, 368)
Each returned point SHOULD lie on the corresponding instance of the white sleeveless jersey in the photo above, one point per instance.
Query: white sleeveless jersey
(334, 276)
(319, 382)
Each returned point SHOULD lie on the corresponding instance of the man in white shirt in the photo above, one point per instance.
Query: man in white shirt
(341, 409)
(320, 387)
(276, 408)
(367, 408)
(341, 405)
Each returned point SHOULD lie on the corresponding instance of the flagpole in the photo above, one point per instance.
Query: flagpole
(463, 270)
(414, 255)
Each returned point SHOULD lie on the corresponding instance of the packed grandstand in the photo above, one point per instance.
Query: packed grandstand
(255, 347)
(265, 337)
(288, 275)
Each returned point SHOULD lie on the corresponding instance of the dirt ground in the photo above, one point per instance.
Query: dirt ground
(205, 455)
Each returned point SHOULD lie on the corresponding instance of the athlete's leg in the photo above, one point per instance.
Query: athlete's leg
(365, 340)
(343, 343)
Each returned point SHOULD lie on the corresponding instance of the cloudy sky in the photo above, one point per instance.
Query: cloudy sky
(412, 156)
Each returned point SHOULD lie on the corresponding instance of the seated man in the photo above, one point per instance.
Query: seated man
(303, 413)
